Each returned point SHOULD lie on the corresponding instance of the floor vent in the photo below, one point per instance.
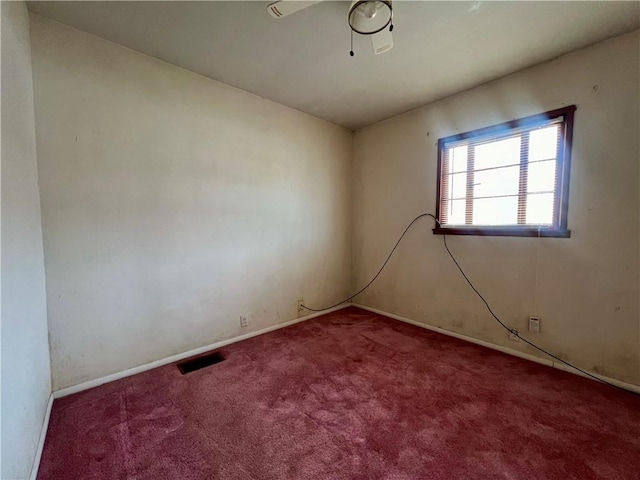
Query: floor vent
(197, 363)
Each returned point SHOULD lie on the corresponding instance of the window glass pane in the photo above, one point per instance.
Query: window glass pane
(495, 211)
(456, 212)
(498, 154)
(543, 143)
(458, 158)
(540, 209)
(458, 185)
(541, 176)
(502, 188)
(501, 181)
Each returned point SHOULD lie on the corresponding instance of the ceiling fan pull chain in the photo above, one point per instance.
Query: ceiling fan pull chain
(351, 51)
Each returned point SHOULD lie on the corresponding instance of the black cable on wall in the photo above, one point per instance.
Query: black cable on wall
(464, 275)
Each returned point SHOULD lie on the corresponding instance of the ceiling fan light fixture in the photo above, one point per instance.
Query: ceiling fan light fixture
(368, 17)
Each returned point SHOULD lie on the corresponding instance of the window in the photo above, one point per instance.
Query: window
(510, 179)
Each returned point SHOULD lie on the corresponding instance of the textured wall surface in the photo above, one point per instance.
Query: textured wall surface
(26, 376)
(173, 204)
(585, 288)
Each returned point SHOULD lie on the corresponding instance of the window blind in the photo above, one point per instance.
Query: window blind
(509, 177)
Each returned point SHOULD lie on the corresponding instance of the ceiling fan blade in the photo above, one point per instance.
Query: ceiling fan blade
(287, 7)
(382, 41)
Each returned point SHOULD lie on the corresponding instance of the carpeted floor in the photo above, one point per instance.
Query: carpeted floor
(351, 395)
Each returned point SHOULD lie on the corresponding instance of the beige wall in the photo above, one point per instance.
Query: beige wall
(172, 204)
(587, 292)
(26, 376)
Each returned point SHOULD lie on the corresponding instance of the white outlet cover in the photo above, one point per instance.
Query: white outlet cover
(534, 324)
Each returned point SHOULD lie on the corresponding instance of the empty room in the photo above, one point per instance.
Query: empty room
(356, 240)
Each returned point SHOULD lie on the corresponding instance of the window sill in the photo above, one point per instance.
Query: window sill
(502, 232)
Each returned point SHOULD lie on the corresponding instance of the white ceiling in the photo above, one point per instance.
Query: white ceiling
(303, 60)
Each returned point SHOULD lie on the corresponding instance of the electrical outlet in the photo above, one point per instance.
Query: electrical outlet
(513, 335)
(244, 320)
(300, 307)
(534, 324)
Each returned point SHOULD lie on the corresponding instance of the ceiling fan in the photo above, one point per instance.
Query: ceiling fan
(366, 17)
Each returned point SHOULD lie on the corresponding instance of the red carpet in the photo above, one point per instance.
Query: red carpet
(351, 395)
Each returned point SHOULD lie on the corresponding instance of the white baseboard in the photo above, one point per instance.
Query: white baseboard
(560, 366)
(174, 358)
(618, 383)
(43, 436)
